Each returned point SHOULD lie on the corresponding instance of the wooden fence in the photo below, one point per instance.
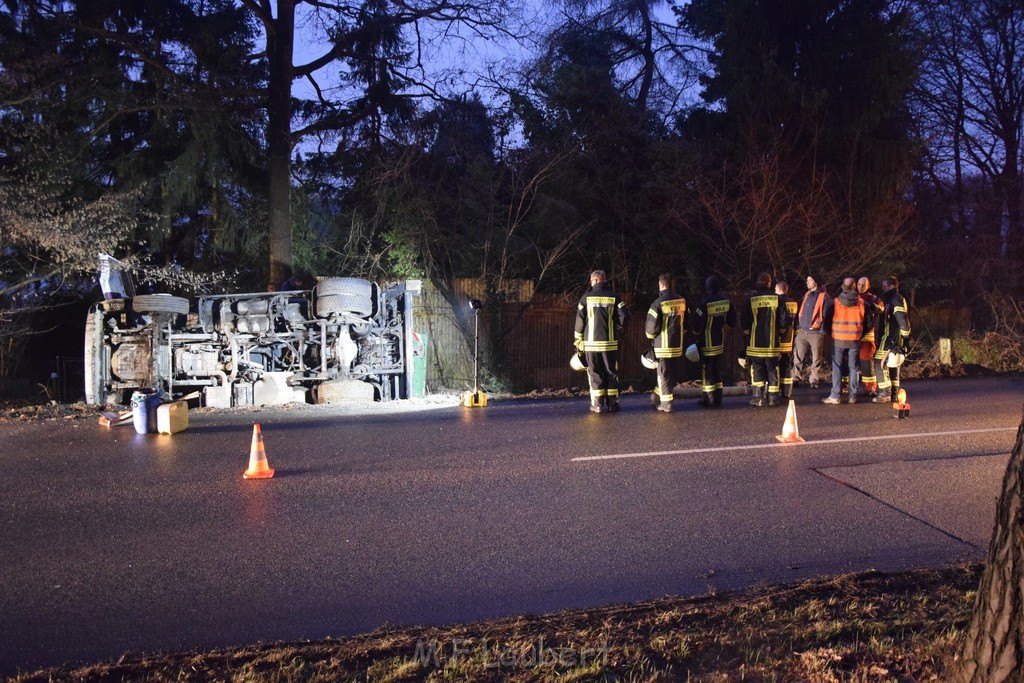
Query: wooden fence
(928, 323)
(525, 346)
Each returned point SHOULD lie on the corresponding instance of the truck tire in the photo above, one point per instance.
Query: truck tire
(160, 303)
(345, 391)
(344, 295)
(93, 347)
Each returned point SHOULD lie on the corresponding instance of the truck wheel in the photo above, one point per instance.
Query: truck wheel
(344, 295)
(93, 349)
(160, 303)
(345, 390)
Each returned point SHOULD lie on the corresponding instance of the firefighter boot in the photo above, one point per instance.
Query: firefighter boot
(613, 405)
(707, 400)
(595, 405)
(665, 406)
(773, 398)
(882, 397)
(716, 399)
(759, 397)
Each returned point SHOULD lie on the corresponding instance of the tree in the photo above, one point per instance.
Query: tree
(970, 101)
(652, 60)
(757, 216)
(49, 237)
(614, 186)
(148, 97)
(993, 648)
(816, 93)
(375, 48)
(450, 203)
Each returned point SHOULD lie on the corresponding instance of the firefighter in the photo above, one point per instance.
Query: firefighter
(664, 327)
(786, 340)
(763, 317)
(892, 335)
(867, 342)
(710, 319)
(600, 316)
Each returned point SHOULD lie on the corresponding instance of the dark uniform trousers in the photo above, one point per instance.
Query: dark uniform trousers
(603, 374)
(711, 377)
(785, 373)
(668, 370)
(764, 373)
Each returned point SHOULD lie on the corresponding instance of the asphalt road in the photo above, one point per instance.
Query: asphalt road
(113, 542)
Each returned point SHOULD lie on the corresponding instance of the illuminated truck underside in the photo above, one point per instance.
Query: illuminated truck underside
(347, 339)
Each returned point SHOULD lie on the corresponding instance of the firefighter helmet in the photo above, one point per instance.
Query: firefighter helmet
(578, 361)
(692, 354)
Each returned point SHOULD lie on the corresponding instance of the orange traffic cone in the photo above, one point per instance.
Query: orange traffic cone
(259, 468)
(790, 433)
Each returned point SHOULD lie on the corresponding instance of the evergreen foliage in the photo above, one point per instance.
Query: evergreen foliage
(811, 140)
(797, 150)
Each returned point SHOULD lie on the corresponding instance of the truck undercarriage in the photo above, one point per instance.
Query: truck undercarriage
(346, 339)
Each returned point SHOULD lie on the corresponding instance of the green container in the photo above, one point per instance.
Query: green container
(419, 364)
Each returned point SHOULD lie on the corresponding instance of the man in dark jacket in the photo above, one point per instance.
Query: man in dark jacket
(600, 316)
(763, 317)
(710, 318)
(892, 335)
(846, 322)
(809, 345)
(664, 327)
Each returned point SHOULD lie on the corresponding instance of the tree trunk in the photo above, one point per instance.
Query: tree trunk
(1014, 217)
(994, 643)
(280, 46)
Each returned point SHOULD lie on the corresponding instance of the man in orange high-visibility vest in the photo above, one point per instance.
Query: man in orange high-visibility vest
(846, 323)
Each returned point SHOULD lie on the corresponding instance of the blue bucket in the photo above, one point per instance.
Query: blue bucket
(144, 407)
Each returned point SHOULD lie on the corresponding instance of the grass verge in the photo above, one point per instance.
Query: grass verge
(858, 627)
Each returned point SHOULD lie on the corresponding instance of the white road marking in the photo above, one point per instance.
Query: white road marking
(719, 449)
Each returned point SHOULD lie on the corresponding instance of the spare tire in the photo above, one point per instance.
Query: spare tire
(344, 295)
(160, 303)
(93, 362)
(345, 390)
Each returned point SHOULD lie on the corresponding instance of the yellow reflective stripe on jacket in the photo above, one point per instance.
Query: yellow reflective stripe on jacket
(786, 343)
(718, 308)
(757, 333)
(664, 349)
(716, 312)
(611, 343)
(903, 310)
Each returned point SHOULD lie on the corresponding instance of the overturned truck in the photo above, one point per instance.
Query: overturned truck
(346, 339)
